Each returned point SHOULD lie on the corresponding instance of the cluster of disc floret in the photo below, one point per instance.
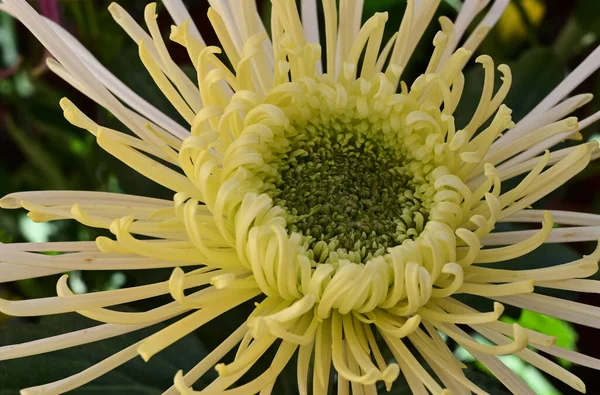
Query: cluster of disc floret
(348, 192)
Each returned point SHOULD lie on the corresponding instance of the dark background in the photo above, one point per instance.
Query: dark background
(540, 40)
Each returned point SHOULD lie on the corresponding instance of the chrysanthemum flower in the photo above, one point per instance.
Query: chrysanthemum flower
(345, 202)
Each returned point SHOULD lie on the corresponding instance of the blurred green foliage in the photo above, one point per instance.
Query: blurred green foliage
(540, 40)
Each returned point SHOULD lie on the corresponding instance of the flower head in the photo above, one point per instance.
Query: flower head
(346, 202)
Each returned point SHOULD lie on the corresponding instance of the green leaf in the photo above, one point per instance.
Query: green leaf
(587, 13)
(565, 334)
(9, 52)
(535, 74)
(36, 155)
(5, 237)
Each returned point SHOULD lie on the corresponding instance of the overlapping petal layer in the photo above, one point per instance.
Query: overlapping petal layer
(257, 115)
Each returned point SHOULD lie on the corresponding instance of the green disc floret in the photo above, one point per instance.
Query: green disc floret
(351, 196)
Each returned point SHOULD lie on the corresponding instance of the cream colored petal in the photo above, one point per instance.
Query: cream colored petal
(33, 21)
(71, 197)
(84, 377)
(506, 376)
(576, 77)
(557, 112)
(211, 359)
(179, 13)
(537, 360)
(570, 355)
(116, 86)
(574, 312)
(559, 235)
(94, 260)
(67, 340)
(71, 302)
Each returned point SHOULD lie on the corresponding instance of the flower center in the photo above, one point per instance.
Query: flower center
(350, 194)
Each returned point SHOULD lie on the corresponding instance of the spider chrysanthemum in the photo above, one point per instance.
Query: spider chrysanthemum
(345, 202)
